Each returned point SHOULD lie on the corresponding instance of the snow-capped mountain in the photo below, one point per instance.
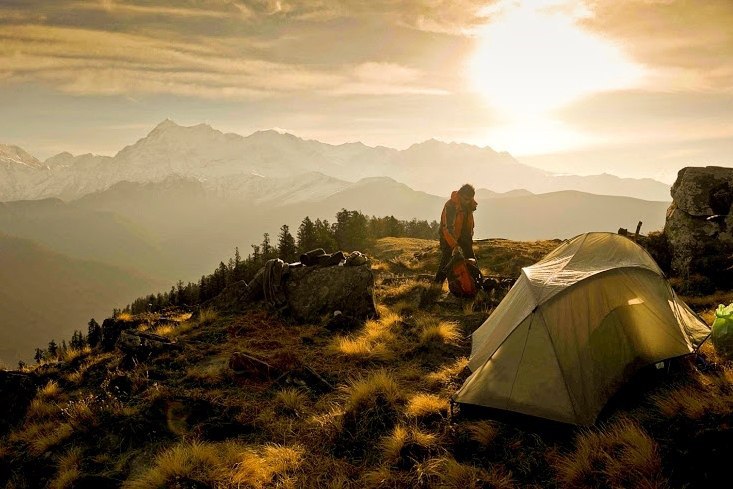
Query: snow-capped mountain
(232, 165)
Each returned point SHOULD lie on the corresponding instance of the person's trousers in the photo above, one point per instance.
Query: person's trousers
(445, 256)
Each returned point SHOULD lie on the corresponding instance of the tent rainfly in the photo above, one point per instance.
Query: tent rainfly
(574, 328)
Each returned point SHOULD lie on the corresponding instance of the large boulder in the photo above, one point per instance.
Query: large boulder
(699, 227)
(312, 292)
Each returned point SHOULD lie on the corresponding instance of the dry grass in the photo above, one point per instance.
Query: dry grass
(371, 406)
(212, 372)
(49, 391)
(207, 316)
(447, 374)
(165, 329)
(621, 455)
(220, 465)
(40, 408)
(39, 437)
(483, 432)
(406, 446)
(188, 464)
(291, 402)
(435, 331)
(124, 316)
(69, 469)
(703, 395)
(73, 353)
(274, 465)
(450, 474)
(376, 340)
(422, 406)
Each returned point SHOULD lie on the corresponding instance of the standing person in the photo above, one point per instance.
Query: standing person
(456, 228)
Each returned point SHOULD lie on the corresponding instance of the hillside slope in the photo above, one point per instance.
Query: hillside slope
(47, 295)
(361, 408)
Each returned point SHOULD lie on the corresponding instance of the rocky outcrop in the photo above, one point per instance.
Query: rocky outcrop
(699, 227)
(312, 292)
(16, 392)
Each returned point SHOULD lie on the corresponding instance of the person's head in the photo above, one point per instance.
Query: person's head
(466, 193)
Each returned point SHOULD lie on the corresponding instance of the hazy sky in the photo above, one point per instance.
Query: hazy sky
(632, 87)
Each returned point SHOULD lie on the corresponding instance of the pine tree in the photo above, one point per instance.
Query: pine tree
(53, 349)
(268, 252)
(307, 239)
(286, 249)
(39, 355)
(94, 333)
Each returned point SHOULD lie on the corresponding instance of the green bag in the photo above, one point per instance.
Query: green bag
(722, 334)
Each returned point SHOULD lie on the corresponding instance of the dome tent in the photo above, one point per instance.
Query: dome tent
(574, 327)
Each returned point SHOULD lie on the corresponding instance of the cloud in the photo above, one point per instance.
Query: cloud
(123, 63)
(680, 38)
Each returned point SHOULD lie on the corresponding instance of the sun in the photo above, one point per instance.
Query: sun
(534, 58)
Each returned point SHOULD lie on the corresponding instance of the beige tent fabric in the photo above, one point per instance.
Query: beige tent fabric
(574, 328)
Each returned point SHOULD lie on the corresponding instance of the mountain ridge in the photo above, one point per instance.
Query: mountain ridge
(203, 152)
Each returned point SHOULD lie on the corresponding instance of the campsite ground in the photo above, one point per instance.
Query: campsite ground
(378, 416)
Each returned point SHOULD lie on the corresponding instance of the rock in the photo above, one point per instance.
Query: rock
(342, 323)
(252, 367)
(16, 392)
(699, 221)
(113, 327)
(140, 341)
(312, 292)
(304, 378)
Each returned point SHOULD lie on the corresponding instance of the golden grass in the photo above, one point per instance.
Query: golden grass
(124, 316)
(291, 401)
(482, 432)
(426, 405)
(273, 465)
(620, 455)
(451, 474)
(40, 408)
(435, 331)
(213, 372)
(73, 353)
(706, 394)
(220, 465)
(164, 329)
(375, 341)
(49, 391)
(40, 437)
(207, 316)
(448, 374)
(371, 405)
(194, 462)
(406, 445)
(68, 469)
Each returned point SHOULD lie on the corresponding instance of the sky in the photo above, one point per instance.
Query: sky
(636, 88)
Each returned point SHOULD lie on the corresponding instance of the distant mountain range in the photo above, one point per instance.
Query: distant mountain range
(230, 163)
(80, 235)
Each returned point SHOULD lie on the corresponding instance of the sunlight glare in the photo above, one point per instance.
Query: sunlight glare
(534, 58)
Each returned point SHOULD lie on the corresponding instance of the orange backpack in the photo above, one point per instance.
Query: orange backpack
(463, 277)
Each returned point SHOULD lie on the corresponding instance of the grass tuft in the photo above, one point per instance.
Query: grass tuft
(451, 474)
(291, 402)
(372, 406)
(68, 469)
(422, 406)
(406, 446)
(621, 455)
(434, 331)
(207, 316)
(483, 432)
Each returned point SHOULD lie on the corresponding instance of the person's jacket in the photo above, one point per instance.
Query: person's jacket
(456, 221)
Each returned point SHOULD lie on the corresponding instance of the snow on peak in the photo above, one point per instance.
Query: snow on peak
(18, 156)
